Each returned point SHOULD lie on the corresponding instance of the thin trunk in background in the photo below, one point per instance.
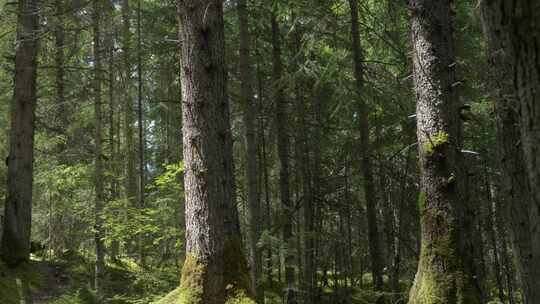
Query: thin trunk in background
(98, 158)
(251, 170)
(365, 152)
(283, 157)
(113, 122)
(129, 152)
(140, 125)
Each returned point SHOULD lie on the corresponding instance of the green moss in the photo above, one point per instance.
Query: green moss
(237, 281)
(190, 290)
(446, 285)
(434, 143)
(240, 298)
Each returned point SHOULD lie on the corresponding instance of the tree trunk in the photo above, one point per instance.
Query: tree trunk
(283, 156)
(365, 153)
(443, 274)
(523, 211)
(131, 180)
(59, 59)
(266, 182)
(113, 152)
(140, 125)
(213, 253)
(252, 170)
(98, 159)
(524, 30)
(18, 205)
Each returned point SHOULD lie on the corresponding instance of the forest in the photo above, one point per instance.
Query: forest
(270, 152)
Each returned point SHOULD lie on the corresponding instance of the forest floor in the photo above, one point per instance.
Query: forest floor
(69, 281)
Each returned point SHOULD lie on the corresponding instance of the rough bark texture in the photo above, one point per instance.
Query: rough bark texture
(252, 170)
(214, 251)
(203, 89)
(523, 212)
(365, 153)
(283, 156)
(98, 159)
(443, 275)
(524, 29)
(18, 206)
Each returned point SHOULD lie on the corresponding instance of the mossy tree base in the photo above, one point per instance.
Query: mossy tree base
(439, 280)
(237, 284)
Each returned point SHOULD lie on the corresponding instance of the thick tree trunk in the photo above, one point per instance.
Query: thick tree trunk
(524, 31)
(365, 153)
(214, 258)
(283, 156)
(252, 170)
(203, 89)
(443, 275)
(98, 159)
(518, 190)
(15, 247)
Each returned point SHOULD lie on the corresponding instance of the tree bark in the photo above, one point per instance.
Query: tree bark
(506, 43)
(443, 274)
(15, 247)
(365, 153)
(213, 250)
